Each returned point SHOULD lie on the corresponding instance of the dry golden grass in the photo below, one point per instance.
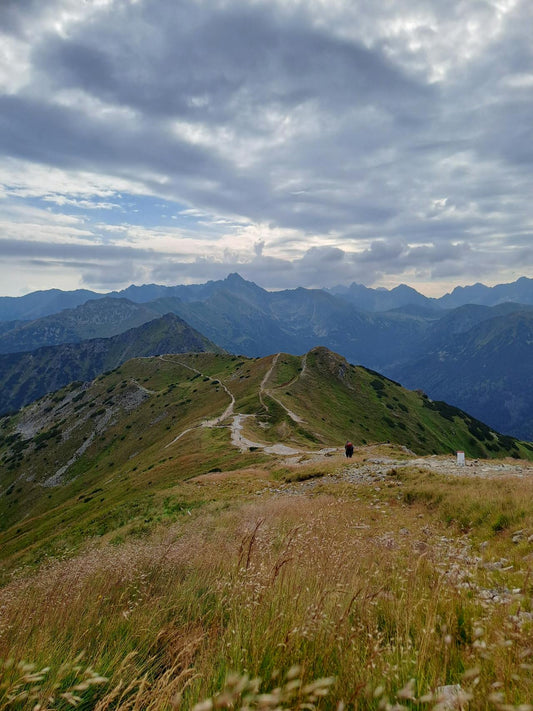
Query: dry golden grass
(372, 586)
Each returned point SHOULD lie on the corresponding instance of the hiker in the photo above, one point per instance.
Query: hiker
(348, 448)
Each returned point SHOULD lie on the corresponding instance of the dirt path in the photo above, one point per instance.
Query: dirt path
(181, 434)
(237, 437)
(263, 391)
(380, 469)
(304, 365)
(262, 387)
(213, 422)
(245, 444)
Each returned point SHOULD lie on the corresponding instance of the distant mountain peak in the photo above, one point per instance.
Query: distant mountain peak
(404, 289)
(236, 277)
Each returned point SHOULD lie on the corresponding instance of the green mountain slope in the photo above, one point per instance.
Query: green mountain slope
(99, 458)
(486, 370)
(25, 377)
(98, 318)
(410, 343)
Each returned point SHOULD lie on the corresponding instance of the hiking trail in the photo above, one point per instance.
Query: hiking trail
(237, 437)
(263, 390)
(213, 422)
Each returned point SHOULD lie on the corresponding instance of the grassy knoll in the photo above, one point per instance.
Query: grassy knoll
(335, 398)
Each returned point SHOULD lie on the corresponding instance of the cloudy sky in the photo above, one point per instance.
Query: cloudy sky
(298, 142)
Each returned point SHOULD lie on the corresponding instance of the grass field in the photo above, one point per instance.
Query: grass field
(168, 569)
(388, 591)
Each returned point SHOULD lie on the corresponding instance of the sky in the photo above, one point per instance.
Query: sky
(296, 142)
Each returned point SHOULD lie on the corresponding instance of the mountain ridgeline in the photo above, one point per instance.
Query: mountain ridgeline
(97, 318)
(43, 303)
(25, 377)
(419, 341)
(157, 419)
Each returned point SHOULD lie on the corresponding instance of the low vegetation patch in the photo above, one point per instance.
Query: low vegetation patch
(373, 598)
(481, 506)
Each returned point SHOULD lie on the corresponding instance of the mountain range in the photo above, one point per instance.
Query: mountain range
(519, 291)
(424, 343)
(240, 317)
(97, 318)
(25, 377)
(43, 303)
(484, 369)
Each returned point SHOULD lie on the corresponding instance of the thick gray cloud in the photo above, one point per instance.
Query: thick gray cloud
(357, 140)
(10, 248)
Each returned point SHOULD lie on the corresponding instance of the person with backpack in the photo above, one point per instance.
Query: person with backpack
(348, 448)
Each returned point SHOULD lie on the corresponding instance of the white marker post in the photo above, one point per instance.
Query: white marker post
(460, 459)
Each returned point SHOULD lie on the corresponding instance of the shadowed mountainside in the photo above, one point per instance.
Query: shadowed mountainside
(486, 369)
(97, 318)
(27, 376)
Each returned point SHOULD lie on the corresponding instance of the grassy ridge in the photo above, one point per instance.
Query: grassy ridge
(342, 401)
(91, 459)
(24, 377)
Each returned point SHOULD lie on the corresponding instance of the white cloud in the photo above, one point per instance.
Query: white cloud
(306, 140)
(27, 179)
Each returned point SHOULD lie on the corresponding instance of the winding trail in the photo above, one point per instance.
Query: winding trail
(262, 387)
(141, 387)
(237, 437)
(304, 365)
(215, 421)
(181, 434)
(263, 390)
(244, 444)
